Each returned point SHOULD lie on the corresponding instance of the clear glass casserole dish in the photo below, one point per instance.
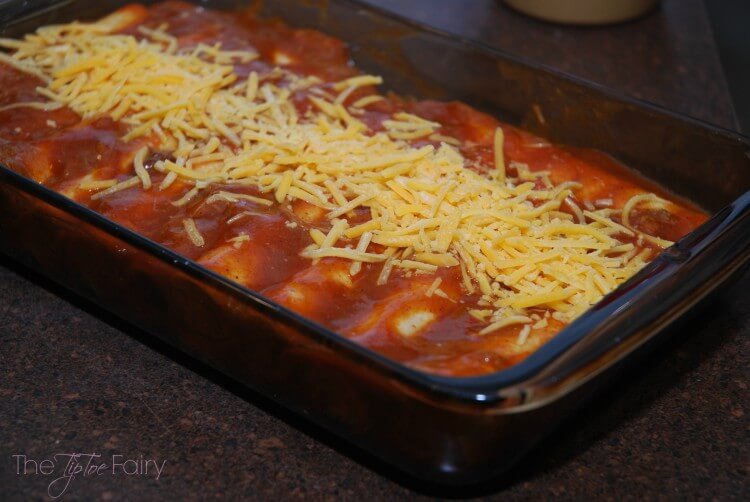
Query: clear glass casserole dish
(459, 429)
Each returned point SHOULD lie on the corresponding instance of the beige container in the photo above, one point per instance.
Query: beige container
(589, 12)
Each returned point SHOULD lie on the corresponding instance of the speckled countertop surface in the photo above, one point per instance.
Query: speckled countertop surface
(74, 379)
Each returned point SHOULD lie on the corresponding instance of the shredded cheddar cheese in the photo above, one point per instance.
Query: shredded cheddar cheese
(193, 232)
(388, 203)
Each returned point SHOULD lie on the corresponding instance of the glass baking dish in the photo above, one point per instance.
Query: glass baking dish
(442, 429)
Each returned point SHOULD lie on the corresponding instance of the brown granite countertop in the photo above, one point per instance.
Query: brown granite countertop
(72, 378)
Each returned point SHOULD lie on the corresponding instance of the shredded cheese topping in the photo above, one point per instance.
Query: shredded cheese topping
(388, 203)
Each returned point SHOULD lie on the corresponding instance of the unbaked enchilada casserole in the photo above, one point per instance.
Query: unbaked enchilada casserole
(426, 231)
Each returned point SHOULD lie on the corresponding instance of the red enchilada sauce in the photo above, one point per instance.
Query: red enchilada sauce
(59, 149)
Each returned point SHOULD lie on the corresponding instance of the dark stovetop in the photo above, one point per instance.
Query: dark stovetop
(74, 379)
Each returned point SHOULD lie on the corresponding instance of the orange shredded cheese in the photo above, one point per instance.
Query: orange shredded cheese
(510, 239)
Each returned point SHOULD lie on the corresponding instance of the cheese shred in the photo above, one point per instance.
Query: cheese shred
(514, 246)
